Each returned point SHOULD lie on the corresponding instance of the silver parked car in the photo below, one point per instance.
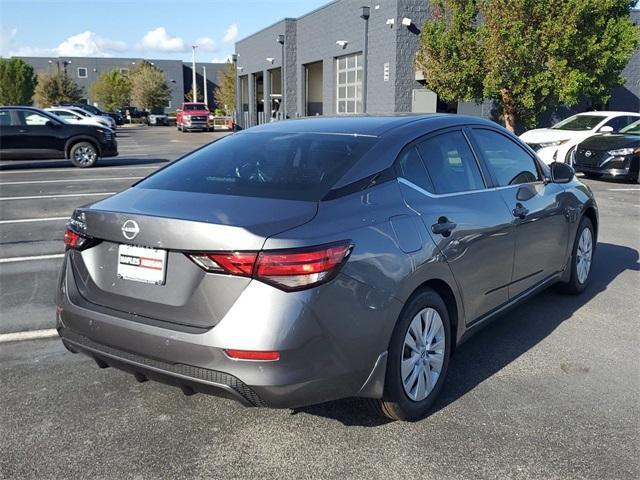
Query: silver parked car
(310, 260)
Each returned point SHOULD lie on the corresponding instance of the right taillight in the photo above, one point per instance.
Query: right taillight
(289, 270)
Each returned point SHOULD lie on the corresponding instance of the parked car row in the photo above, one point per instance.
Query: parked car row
(28, 132)
(595, 143)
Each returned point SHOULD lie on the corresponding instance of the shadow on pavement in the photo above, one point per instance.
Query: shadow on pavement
(502, 341)
(123, 161)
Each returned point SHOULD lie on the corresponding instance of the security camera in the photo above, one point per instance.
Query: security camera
(270, 60)
(342, 44)
(406, 22)
(391, 21)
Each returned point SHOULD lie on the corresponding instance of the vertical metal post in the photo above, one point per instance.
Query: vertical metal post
(194, 87)
(283, 76)
(206, 96)
(366, 11)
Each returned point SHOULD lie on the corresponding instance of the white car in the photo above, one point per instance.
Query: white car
(558, 143)
(110, 122)
(71, 116)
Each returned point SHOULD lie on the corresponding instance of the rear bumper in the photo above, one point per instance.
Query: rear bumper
(320, 359)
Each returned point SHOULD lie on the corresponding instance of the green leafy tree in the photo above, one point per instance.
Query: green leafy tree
(188, 97)
(527, 55)
(56, 87)
(17, 82)
(112, 90)
(226, 92)
(149, 87)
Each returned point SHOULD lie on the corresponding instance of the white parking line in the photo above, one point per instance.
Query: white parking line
(66, 195)
(29, 220)
(30, 259)
(28, 335)
(74, 169)
(69, 180)
(624, 189)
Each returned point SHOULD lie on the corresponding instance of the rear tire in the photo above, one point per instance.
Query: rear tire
(418, 359)
(83, 155)
(581, 259)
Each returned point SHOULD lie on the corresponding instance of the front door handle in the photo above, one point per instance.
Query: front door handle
(22, 131)
(443, 227)
(520, 211)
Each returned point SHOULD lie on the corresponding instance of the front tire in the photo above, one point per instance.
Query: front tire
(581, 259)
(83, 155)
(418, 359)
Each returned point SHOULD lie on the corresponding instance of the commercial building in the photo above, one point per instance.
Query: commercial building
(343, 58)
(85, 70)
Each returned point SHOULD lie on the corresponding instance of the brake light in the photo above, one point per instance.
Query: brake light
(74, 240)
(289, 270)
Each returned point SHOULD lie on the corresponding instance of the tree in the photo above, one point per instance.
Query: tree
(188, 97)
(149, 87)
(17, 82)
(112, 90)
(225, 94)
(527, 55)
(56, 87)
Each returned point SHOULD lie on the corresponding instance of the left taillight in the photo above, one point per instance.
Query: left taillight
(288, 270)
(76, 241)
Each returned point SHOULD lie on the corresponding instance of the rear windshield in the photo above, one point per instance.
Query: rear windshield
(294, 166)
(195, 106)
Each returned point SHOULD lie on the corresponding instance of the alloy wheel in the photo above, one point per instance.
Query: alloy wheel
(422, 354)
(84, 155)
(583, 255)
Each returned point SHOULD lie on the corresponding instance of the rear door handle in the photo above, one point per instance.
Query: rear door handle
(22, 131)
(443, 227)
(520, 211)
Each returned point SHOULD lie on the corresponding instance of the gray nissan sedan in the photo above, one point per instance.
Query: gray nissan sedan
(309, 260)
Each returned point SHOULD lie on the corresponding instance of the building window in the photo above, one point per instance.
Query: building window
(349, 84)
(124, 71)
(82, 72)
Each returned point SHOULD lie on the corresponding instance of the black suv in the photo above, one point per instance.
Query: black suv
(28, 133)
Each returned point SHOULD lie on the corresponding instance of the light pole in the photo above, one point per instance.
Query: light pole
(237, 106)
(366, 11)
(283, 81)
(193, 69)
(204, 73)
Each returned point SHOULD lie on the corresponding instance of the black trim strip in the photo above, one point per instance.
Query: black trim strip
(360, 185)
(514, 282)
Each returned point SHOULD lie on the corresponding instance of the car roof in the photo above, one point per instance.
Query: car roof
(604, 113)
(371, 125)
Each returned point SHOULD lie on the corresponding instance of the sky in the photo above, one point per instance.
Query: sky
(156, 29)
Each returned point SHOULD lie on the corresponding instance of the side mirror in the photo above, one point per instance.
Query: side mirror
(561, 172)
(606, 129)
(49, 124)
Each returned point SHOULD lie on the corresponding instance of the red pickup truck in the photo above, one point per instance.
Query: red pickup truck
(193, 116)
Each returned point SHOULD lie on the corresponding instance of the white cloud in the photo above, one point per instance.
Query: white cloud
(32, 52)
(207, 44)
(231, 34)
(7, 37)
(88, 44)
(221, 60)
(159, 40)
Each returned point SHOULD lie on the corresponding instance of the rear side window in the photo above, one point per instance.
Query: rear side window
(5, 118)
(450, 163)
(295, 166)
(413, 169)
(511, 164)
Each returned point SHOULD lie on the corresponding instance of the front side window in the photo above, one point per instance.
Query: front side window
(511, 164)
(294, 166)
(66, 115)
(5, 118)
(349, 84)
(618, 123)
(82, 72)
(450, 162)
(633, 129)
(31, 119)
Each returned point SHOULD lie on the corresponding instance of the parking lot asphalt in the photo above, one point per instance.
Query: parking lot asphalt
(549, 390)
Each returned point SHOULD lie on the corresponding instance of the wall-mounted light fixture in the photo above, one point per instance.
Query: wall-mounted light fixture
(270, 60)
(342, 44)
(391, 22)
(240, 69)
(406, 22)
